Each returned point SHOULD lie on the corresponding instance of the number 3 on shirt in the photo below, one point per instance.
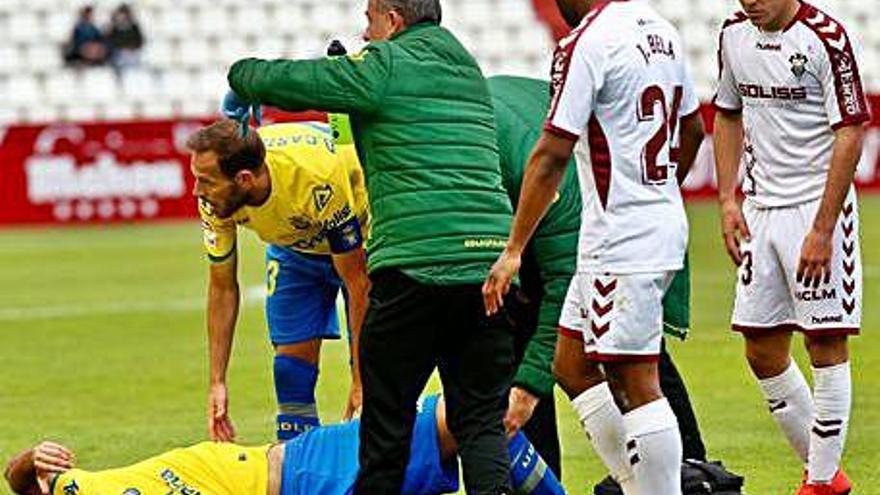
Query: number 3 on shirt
(272, 268)
(654, 173)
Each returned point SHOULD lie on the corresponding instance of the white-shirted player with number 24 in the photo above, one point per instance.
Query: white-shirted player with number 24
(623, 103)
(792, 110)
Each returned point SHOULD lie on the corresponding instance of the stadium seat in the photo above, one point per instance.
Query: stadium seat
(212, 21)
(23, 90)
(249, 20)
(172, 21)
(40, 114)
(11, 59)
(8, 115)
(100, 85)
(117, 112)
(24, 26)
(268, 47)
(158, 53)
(192, 54)
(58, 26)
(212, 85)
(177, 85)
(154, 109)
(139, 85)
(43, 57)
(76, 111)
(229, 49)
(63, 88)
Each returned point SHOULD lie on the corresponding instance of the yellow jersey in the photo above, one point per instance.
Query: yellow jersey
(318, 202)
(205, 469)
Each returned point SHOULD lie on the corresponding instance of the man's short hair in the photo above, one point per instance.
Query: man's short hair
(234, 151)
(416, 11)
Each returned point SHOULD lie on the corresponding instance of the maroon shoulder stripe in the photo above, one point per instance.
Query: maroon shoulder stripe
(736, 18)
(851, 101)
(562, 59)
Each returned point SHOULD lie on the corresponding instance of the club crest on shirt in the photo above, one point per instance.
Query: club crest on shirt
(798, 64)
(322, 195)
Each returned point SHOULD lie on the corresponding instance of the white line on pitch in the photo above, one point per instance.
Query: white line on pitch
(252, 296)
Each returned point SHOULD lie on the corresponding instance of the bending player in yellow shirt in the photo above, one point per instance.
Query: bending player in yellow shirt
(323, 461)
(304, 195)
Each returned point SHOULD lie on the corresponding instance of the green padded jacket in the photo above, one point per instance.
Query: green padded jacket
(424, 127)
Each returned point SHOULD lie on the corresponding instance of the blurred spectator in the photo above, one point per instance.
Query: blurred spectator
(124, 38)
(87, 45)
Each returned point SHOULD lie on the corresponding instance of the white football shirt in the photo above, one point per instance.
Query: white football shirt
(619, 87)
(794, 88)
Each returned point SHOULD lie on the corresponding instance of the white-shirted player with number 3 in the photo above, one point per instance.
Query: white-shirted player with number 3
(792, 110)
(623, 103)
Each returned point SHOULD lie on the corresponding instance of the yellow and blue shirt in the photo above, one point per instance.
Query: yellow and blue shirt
(318, 203)
(204, 469)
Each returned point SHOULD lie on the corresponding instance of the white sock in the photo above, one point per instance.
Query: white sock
(832, 392)
(654, 448)
(603, 424)
(791, 404)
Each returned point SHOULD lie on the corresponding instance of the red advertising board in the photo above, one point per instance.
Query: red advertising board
(69, 173)
(72, 173)
(95, 172)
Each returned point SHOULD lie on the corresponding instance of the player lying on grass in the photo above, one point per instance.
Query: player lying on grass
(323, 461)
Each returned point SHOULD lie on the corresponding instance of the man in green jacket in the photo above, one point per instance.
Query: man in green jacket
(548, 266)
(424, 127)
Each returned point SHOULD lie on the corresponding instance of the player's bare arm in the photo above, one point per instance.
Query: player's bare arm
(352, 269)
(543, 175)
(690, 140)
(728, 141)
(815, 262)
(30, 472)
(223, 302)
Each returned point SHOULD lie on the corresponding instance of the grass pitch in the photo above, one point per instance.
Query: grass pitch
(103, 348)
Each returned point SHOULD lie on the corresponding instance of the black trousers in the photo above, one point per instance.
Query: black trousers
(410, 329)
(676, 393)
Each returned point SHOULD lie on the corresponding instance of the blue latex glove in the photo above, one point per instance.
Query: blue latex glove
(235, 108)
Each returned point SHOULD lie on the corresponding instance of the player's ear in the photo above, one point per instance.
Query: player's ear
(396, 22)
(244, 178)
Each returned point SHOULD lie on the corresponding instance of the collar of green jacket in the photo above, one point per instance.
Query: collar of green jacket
(414, 28)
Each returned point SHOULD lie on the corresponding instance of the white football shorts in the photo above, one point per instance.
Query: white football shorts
(619, 317)
(768, 295)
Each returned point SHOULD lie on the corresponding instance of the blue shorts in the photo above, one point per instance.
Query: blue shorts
(324, 460)
(301, 293)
